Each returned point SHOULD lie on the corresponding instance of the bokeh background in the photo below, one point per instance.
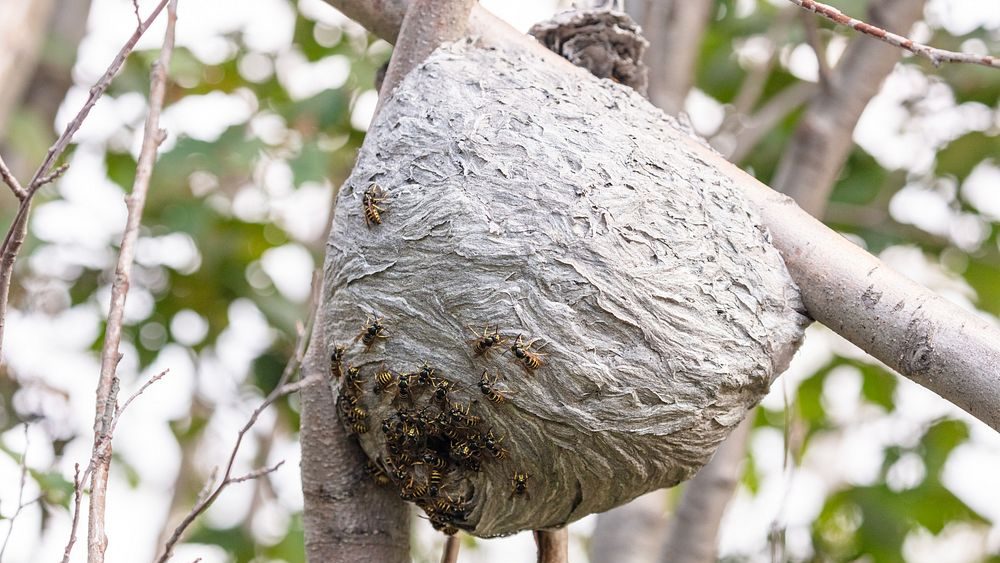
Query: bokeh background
(268, 104)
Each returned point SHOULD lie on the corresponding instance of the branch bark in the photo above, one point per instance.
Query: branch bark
(674, 29)
(107, 386)
(21, 35)
(553, 545)
(347, 517)
(934, 55)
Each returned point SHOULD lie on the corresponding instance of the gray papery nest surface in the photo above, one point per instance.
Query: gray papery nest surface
(522, 201)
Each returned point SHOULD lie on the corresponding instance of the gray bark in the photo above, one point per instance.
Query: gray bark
(664, 310)
(21, 35)
(347, 518)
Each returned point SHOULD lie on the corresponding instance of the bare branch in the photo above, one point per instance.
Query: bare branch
(934, 55)
(121, 410)
(206, 498)
(53, 176)
(135, 7)
(77, 500)
(756, 126)
(19, 225)
(553, 545)
(428, 24)
(20, 493)
(107, 387)
(256, 473)
(8, 178)
(631, 533)
(451, 547)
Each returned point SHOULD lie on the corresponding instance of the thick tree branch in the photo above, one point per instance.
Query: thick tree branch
(19, 225)
(428, 24)
(934, 55)
(822, 141)
(553, 545)
(347, 517)
(674, 29)
(107, 386)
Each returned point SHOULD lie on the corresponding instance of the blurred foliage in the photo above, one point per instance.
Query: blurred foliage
(197, 185)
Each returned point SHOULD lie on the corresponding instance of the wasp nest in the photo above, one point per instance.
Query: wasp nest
(542, 304)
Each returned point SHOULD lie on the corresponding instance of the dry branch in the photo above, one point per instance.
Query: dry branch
(674, 29)
(19, 225)
(107, 387)
(8, 178)
(20, 494)
(934, 55)
(209, 493)
(77, 501)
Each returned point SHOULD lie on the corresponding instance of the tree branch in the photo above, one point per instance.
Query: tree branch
(8, 178)
(19, 225)
(20, 494)
(107, 387)
(934, 55)
(674, 29)
(822, 141)
(451, 548)
(553, 545)
(428, 24)
(208, 494)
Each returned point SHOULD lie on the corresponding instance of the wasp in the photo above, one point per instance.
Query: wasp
(415, 488)
(492, 443)
(383, 380)
(359, 427)
(482, 345)
(434, 482)
(376, 473)
(489, 388)
(373, 196)
(425, 375)
(519, 485)
(372, 330)
(460, 414)
(441, 390)
(356, 414)
(354, 378)
(434, 461)
(523, 354)
(336, 358)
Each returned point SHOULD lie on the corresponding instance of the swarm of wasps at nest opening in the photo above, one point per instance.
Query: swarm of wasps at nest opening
(433, 434)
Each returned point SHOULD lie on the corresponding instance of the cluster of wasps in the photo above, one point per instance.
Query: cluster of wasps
(432, 434)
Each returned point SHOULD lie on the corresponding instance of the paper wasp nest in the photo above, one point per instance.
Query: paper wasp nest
(494, 196)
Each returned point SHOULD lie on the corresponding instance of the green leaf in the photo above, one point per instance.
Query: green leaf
(55, 488)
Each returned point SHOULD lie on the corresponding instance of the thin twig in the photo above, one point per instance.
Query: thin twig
(107, 387)
(20, 493)
(9, 179)
(933, 54)
(282, 389)
(19, 225)
(54, 175)
(135, 7)
(451, 547)
(77, 499)
(553, 545)
(120, 410)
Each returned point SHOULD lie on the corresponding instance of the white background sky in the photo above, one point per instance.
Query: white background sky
(52, 349)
